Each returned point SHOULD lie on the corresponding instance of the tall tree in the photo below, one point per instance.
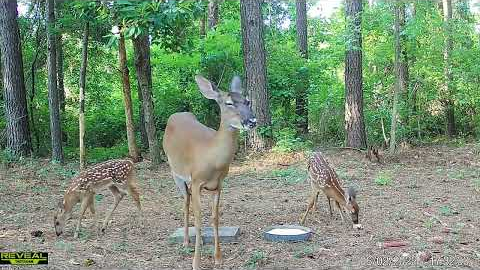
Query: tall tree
(254, 60)
(127, 99)
(18, 134)
(400, 80)
(141, 47)
(447, 88)
(354, 122)
(141, 124)
(81, 113)
(60, 73)
(213, 11)
(301, 103)
(53, 102)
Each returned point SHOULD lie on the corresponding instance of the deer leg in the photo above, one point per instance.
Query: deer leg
(132, 189)
(198, 224)
(330, 207)
(315, 202)
(216, 202)
(341, 212)
(186, 216)
(83, 208)
(118, 196)
(311, 201)
(91, 207)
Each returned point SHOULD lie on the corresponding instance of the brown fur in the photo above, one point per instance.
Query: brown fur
(322, 177)
(200, 157)
(116, 175)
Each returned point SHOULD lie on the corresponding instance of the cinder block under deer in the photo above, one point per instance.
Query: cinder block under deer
(323, 178)
(116, 175)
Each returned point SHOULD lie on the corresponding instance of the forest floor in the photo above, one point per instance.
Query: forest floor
(427, 198)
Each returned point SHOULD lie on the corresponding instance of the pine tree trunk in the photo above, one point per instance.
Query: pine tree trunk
(18, 134)
(141, 124)
(127, 99)
(354, 122)
(255, 72)
(141, 46)
(213, 8)
(404, 77)
(53, 102)
(399, 79)
(301, 103)
(447, 86)
(202, 26)
(81, 113)
(33, 70)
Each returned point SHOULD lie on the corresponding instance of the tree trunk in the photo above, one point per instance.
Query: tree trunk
(33, 70)
(53, 102)
(403, 51)
(141, 46)
(301, 101)
(81, 113)
(18, 134)
(127, 99)
(202, 26)
(213, 8)
(143, 130)
(447, 86)
(354, 122)
(399, 79)
(255, 72)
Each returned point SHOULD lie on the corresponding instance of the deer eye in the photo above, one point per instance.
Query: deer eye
(229, 103)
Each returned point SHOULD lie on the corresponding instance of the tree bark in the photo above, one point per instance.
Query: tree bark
(254, 59)
(141, 46)
(53, 102)
(301, 99)
(399, 79)
(18, 134)
(213, 10)
(127, 99)
(81, 112)
(354, 122)
(447, 86)
(202, 26)
(143, 130)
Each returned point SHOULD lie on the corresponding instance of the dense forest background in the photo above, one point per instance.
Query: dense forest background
(416, 63)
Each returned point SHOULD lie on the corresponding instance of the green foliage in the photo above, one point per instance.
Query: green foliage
(383, 179)
(178, 53)
(256, 259)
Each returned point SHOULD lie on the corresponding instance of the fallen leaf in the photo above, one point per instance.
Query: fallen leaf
(425, 256)
(72, 261)
(394, 244)
(88, 262)
(438, 240)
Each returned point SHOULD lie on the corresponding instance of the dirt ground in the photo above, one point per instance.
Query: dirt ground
(427, 198)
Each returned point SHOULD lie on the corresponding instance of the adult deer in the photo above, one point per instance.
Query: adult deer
(200, 157)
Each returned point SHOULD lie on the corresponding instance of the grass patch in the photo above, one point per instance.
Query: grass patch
(383, 179)
(305, 252)
(65, 246)
(476, 184)
(257, 259)
(446, 211)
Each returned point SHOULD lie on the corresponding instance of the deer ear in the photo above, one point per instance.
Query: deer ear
(236, 85)
(206, 87)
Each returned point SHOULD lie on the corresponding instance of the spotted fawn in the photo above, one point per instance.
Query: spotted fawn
(322, 177)
(116, 175)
